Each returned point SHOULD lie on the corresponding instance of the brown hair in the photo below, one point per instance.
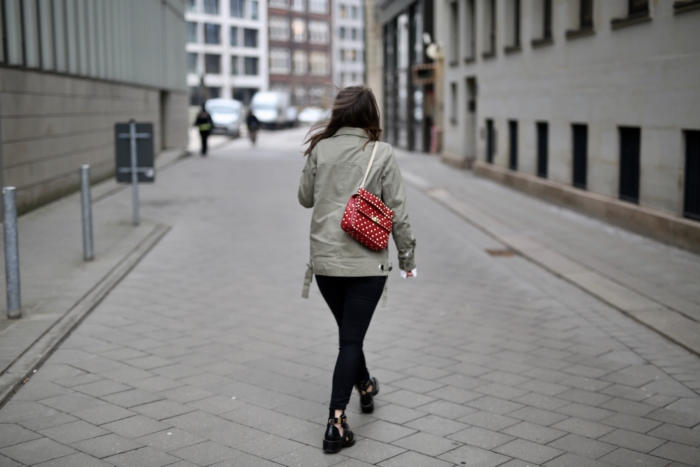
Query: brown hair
(354, 106)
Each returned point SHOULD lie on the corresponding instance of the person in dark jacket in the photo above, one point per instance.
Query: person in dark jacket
(253, 125)
(205, 124)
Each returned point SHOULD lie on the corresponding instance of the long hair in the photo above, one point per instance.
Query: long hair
(354, 106)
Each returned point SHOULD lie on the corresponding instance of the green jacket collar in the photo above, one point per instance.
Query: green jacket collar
(346, 130)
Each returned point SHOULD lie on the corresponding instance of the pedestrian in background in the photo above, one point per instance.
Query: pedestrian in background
(253, 125)
(204, 123)
(351, 277)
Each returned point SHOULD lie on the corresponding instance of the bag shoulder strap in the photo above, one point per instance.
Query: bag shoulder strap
(371, 160)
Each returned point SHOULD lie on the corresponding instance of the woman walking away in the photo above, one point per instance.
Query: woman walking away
(204, 123)
(253, 125)
(351, 276)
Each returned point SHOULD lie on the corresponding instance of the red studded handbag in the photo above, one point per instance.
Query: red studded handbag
(367, 219)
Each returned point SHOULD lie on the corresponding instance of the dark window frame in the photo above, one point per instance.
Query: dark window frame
(208, 29)
(490, 141)
(255, 67)
(542, 149)
(586, 20)
(691, 188)
(255, 36)
(579, 166)
(638, 12)
(206, 7)
(513, 144)
(630, 163)
(207, 63)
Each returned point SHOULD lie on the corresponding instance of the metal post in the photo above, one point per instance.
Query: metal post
(86, 205)
(134, 171)
(9, 204)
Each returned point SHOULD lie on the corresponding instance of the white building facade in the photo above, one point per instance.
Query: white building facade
(599, 95)
(227, 48)
(348, 42)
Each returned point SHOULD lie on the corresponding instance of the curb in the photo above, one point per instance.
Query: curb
(21, 370)
(644, 309)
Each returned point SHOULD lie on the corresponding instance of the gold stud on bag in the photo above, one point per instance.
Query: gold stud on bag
(367, 219)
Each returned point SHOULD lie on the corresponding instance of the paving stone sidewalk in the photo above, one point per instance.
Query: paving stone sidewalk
(205, 355)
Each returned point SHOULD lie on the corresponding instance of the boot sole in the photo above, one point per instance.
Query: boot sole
(334, 447)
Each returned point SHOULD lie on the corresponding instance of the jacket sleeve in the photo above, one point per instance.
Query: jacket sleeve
(394, 196)
(308, 178)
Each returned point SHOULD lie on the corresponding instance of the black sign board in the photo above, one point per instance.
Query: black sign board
(144, 152)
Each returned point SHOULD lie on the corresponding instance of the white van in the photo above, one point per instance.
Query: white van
(271, 109)
(227, 115)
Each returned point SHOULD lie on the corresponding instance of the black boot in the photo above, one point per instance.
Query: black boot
(333, 441)
(367, 397)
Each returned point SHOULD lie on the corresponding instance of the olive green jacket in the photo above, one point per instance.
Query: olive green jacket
(332, 174)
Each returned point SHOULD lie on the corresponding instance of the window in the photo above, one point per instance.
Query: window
(318, 6)
(454, 32)
(542, 148)
(283, 4)
(235, 70)
(490, 141)
(353, 34)
(279, 28)
(299, 5)
(630, 145)
(254, 9)
(319, 64)
(192, 6)
(342, 55)
(233, 36)
(212, 33)
(250, 66)
(212, 64)
(250, 37)
(191, 32)
(470, 35)
(341, 32)
(213, 92)
(192, 62)
(353, 12)
(211, 7)
(454, 103)
(691, 198)
(580, 143)
(237, 8)
(299, 30)
(513, 32)
(343, 11)
(638, 7)
(196, 96)
(513, 144)
(300, 62)
(547, 19)
(280, 62)
(490, 29)
(586, 14)
(351, 55)
(319, 32)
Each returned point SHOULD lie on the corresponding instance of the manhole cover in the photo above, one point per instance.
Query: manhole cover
(501, 252)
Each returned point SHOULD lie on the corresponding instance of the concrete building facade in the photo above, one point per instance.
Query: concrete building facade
(601, 96)
(69, 70)
(348, 43)
(300, 50)
(227, 48)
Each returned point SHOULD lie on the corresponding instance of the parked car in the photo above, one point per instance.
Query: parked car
(292, 117)
(227, 115)
(311, 115)
(271, 108)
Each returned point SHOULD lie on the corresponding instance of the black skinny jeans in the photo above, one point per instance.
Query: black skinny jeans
(352, 301)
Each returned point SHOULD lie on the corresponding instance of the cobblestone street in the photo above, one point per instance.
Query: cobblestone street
(205, 354)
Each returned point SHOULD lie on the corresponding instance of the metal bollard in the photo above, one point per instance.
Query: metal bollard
(9, 202)
(86, 204)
